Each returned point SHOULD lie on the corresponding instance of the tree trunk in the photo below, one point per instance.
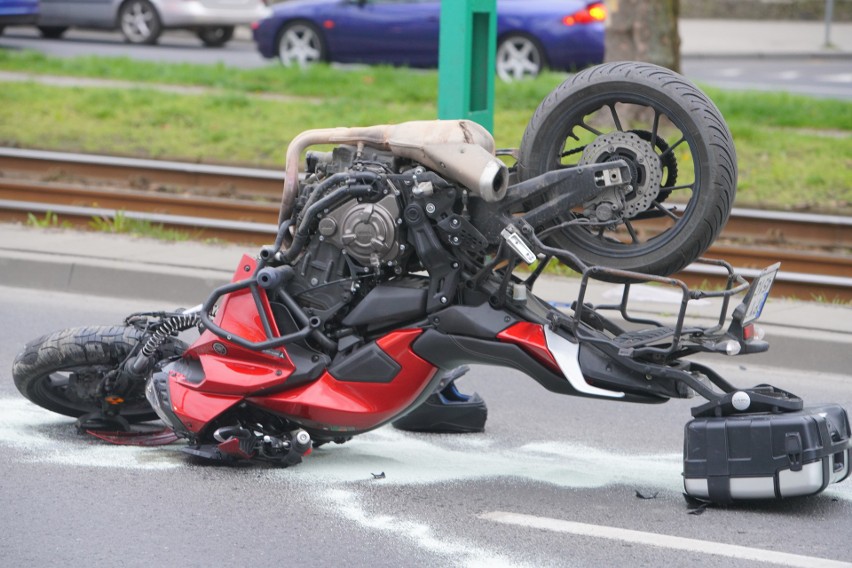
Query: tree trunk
(643, 30)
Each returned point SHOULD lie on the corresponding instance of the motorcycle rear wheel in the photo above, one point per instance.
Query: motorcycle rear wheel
(677, 146)
(62, 370)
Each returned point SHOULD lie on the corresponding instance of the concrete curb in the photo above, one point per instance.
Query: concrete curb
(171, 285)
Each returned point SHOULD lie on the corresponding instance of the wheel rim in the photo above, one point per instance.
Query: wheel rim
(630, 127)
(518, 58)
(137, 21)
(299, 45)
(214, 34)
(76, 387)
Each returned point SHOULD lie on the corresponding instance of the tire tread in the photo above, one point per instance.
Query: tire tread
(75, 347)
(720, 187)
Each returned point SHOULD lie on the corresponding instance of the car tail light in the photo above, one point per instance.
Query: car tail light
(589, 15)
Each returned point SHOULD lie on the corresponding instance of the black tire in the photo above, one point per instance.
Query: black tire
(519, 57)
(301, 43)
(52, 32)
(677, 115)
(215, 36)
(139, 22)
(61, 371)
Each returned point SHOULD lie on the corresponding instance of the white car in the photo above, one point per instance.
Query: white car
(142, 21)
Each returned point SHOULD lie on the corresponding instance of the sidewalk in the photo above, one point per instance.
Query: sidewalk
(773, 38)
(807, 336)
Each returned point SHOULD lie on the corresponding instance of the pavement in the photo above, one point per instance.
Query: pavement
(804, 335)
(755, 38)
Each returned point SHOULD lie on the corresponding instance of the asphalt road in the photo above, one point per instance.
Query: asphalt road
(173, 46)
(444, 500)
(825, 77)
(819, 77)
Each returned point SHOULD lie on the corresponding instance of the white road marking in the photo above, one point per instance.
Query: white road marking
(664, 541)
(731, 72)
(789, 75)
(812, 89)
(837, 78)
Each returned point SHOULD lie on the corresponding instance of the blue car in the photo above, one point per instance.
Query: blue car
(18, 13)
(531, 34)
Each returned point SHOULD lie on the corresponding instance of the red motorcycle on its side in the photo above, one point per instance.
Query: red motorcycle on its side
(395, 266)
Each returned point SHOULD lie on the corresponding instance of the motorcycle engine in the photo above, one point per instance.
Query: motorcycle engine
(356, 243)
(367, 232)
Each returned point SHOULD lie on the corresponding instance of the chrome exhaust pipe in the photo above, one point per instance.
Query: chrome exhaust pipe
(458, 149)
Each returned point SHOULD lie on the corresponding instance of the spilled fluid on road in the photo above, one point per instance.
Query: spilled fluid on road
(400, 458)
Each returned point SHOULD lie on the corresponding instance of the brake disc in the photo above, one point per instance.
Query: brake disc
(645, 171)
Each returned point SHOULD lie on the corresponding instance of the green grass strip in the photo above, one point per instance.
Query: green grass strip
(794, 152)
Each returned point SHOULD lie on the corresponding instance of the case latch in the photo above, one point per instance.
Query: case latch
(793, 446)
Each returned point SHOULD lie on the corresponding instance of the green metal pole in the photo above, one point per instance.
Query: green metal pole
(467, 45)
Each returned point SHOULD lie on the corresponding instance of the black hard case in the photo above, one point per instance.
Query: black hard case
(765, 456)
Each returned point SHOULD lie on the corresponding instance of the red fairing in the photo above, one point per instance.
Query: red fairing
(238, 313)
(195, 409)
(230, 371)
(341, 406)
(530, 337)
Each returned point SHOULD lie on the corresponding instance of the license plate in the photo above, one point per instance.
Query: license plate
(758, 293)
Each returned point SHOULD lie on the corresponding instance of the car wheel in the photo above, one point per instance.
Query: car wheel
(302, 44)
(52, 32)
(139, 22)
(216, 36)
(519, 57)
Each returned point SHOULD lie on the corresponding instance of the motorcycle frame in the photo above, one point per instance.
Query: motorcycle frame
(242, 359)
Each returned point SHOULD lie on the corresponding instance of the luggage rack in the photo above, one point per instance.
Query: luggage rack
(640, 342)
(637, 344)
(589, 325)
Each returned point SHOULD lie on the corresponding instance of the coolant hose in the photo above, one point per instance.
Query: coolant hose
(164, 330)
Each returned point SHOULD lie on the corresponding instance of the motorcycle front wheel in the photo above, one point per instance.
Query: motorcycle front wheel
(679, 151)
(63, 371)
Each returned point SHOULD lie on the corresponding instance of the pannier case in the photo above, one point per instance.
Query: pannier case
(766, 456)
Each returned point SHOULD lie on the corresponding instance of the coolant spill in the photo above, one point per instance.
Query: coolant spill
(37, 435)
(461, 553)
(415, 459)
(406, 459)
